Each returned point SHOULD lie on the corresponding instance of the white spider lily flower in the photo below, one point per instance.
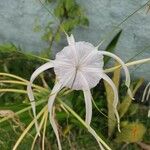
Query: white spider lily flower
(146, 96)
(78, 66)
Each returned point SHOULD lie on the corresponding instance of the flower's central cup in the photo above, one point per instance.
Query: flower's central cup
(78, 61)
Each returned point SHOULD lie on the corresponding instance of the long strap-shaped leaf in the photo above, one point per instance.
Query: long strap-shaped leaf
(128, 80)
(106, 78)
(30, 92)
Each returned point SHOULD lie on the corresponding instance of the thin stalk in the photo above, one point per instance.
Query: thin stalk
(13, 90)
(31, 55)
(137, 62)
(25, 109)
(13, 76)
(40, 127)
(44, 131)
(13, 81)
(20, 83)
(28, 128)
(21, 79)
(101, 111)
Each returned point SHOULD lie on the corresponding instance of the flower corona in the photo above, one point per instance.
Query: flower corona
(79, 66)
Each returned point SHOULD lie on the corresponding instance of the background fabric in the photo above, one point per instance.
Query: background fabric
(18, 19)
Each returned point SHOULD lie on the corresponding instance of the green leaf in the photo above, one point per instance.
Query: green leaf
(69, 4)
(59, 10)
(110, 99)
(124, 106)
(57, 37)
(84, 21)
(68, 25)
(47, 36)
(10, 51)
(8, 47)
(37, 28)
(111, 46)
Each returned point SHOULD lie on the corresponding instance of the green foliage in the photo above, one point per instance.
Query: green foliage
(70, 15)
(11, 56)
(111, 46)
(110, 100)
(48, 32)
(71, 130)
(124, 106)
(7, 48)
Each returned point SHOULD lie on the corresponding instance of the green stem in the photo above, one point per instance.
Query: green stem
(28, 128)
(137, 62)
(40, 127)
(54, 36)
(13, 90)
(19, 78)
(85, 125)
(22, 111)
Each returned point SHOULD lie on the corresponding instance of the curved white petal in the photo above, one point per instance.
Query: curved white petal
(88, 100)
(106, 78)
(58, 86)
(71, 40)
(146, 97)
(123, 66)
(145, 91)
(148, 93)
(88, 104)
(30, 92)
(149, 113)
(51, 99)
